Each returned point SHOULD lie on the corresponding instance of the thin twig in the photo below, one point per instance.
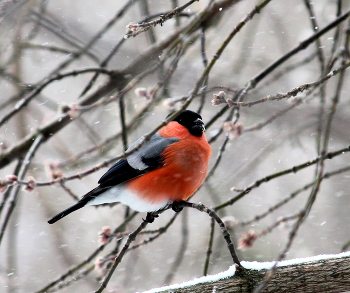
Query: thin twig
(294, 92)
(141, 115)
(24, 102)
(218, 157)
(315, 27)
(131, 238)
(137, 28)
(112, 53)
(89, 258)
(273, 117)
(281, 73)
(302, 46)
(123, 122)
(223, 46)
(202, 208)
(320, 166)
(15, 190)
(7, 193)
(181, 250)
(144, 7)
(133, 69)
(46, 47)
(69, 191)
(290, 197)
(319, 50)
(255, 80)
(336, 37)
(160, 231)
(210, 247)
(294, 169)
(64, 35)
(205, 63)
(87, 47)
(136, 120)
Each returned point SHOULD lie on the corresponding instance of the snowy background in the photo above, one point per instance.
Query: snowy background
(37, 36)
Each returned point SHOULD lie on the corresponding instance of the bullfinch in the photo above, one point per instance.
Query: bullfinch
(167, 169)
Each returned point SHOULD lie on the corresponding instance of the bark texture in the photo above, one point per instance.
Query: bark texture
(331, 275)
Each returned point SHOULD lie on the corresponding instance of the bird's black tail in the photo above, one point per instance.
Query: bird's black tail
(82, 202)
(66, 212)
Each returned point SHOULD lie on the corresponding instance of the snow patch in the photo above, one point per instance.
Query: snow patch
(206, 279)
(253, 265)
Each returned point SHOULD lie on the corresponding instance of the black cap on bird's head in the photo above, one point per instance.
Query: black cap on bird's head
(192, 121)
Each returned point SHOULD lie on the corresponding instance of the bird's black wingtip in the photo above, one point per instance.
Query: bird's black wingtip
(66, 212)
(51, 221)
(55, 218)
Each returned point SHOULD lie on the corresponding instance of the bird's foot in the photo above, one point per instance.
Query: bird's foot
(150, 217)
(175, 206)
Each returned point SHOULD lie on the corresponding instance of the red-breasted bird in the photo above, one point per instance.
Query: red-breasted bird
(167, 169)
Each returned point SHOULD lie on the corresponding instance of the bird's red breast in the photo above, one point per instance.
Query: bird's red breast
(185, 168)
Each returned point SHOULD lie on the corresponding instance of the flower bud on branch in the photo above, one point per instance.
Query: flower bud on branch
(233, 130)
(31, 184)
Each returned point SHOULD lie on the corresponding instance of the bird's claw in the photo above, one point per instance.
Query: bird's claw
(175, 207)
(150, 217)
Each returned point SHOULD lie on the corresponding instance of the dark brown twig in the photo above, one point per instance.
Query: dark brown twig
(294, 169)
(226, 234)
(210, 247)
(92, 256)
(181, 250)
(131, 238)
(15, 190)
(137, 28)
(290, 197)
(24, 102)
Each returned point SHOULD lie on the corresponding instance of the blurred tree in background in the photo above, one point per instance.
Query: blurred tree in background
(81, 80)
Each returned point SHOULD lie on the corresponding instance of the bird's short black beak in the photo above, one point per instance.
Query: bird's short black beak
(199, 123)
